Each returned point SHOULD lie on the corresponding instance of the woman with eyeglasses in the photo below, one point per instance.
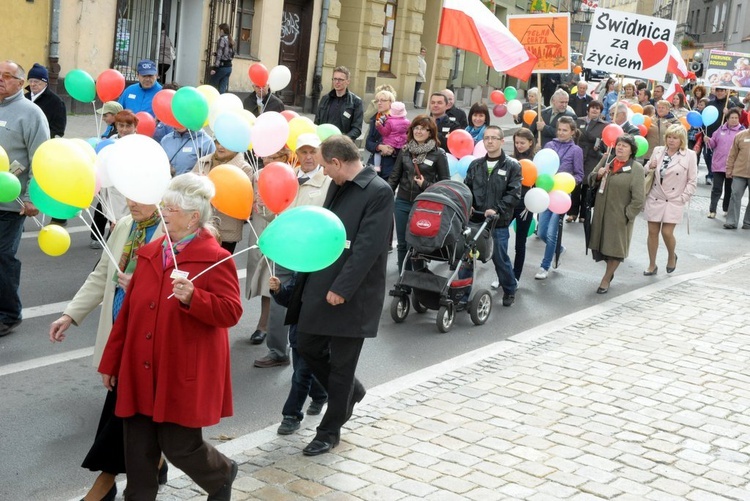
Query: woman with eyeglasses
(420, 163)
(675, 170)
(168, 353)
(382, 156)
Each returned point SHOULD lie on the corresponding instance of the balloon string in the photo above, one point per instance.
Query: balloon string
(107, 210)
(169, 239)
(97, 121)
(217, 263)
(257, 238)
(100, 239)
(23, 205)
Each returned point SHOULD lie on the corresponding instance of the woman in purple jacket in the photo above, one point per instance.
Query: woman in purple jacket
(571, 161)
(721, 143)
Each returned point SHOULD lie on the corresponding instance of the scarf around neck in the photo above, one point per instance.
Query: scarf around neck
(136, 239)
(419, 151)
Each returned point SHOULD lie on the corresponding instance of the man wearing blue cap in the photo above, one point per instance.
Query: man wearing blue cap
(138, 97)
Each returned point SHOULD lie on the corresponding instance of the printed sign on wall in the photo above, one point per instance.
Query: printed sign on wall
(547, 36)
(730, 70)
(629, 44)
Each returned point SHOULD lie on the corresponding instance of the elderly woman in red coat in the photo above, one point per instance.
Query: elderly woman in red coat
(168, 352)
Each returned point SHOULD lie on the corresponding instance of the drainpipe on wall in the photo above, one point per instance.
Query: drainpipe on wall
(54, 45)
(317, 86)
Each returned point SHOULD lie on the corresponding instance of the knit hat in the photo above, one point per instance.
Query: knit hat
(39, 72)
(398, 109)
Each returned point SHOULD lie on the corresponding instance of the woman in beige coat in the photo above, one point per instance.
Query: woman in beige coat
(107, 285)
(618, 201)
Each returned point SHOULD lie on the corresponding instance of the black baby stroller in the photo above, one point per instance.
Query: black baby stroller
(439, 230)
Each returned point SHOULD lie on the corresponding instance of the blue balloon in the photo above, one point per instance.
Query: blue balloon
(232, 131)
(710, 115)
(103, 144)
(638, 119)
(93, 141)
(452, 164)
(695, 119)
(463, 165)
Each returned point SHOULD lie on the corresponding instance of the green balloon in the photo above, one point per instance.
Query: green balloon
(545, 182)
(510, 93)
(80, 86)
(532, 226)
(48, 205)
(10, 187)
(327, 130)
(190, 108)
(642, 146)
(306, 238)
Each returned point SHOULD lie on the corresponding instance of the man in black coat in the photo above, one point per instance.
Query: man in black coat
(262, 100)
(439, 113)
(341, 107)
(50, 103)
(580, 100)
(547, 122)
(454, 113)
(341, 304)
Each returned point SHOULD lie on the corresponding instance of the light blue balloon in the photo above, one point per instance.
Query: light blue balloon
(463, 165)
(710, 115)
(638, 119)
(547, 162)
(452, 164)
(694, 118)
(232, 131)
(93, 141)
(103, 144)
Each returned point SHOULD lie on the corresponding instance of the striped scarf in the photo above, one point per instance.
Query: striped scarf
(169, 253)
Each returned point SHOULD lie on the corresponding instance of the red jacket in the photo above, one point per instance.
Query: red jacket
(172, 361)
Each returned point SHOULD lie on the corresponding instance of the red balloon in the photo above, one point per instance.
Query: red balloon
(643, 129)
(146, 124)
(258, 74)
(610, 134)
(497, 97)
(499, 110)
(460, 143)
(162, 105)
(109, 85)
(289, 114)
(277, 186)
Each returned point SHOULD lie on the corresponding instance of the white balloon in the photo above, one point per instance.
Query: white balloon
(223, 103)
(139, 168)
(279, 77)
(101, 166)
(270, 133)
(514, 106)
(536, 200)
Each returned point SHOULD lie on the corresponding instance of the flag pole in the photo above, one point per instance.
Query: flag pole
(539, 101)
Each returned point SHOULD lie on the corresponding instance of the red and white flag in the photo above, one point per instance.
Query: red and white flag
(673, 88)
(469, 25)
(676, 64)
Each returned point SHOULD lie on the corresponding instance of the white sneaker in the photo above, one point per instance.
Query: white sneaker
(95, 245)
(541, 274)
(495, 284)
(555, 264)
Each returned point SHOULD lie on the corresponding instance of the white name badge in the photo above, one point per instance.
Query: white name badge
(500, 172)
(626, 168)
(314, 194)
(427, 161)
(179, 274)
(348, 244)
(452, 119)
(187, 149)
(446, 129)
(131, 96)
(746, 140)
(347, 114)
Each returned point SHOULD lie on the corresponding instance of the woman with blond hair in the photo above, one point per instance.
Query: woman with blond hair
(675, 171)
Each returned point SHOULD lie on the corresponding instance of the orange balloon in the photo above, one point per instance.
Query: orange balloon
(684, 122)
(529, 116)
(577, 70)
(234, 191)
(637, 108)
(528, 172)
(647, 122)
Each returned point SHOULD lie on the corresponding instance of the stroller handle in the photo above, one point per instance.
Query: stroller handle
(488, 221)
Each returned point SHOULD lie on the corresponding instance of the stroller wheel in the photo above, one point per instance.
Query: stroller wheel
(399, 308)
(445, 318)
(480, 307)
(418, 307)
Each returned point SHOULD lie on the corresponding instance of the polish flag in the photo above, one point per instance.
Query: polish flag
(673, 88)
(469, 25)
(676, 64)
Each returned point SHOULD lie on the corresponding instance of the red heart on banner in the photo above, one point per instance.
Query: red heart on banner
(651, 53)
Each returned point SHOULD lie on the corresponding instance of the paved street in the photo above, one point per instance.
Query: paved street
(642, 397)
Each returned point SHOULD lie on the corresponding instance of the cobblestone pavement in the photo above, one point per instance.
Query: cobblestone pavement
(644, 397)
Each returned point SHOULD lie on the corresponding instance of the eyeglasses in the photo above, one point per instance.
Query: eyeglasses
(492, 138)
(382, 100)
(339, 80)
(419, 128)
(168, 209)
(9, 76)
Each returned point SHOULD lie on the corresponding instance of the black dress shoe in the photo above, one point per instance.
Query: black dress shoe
(602, 290)
(318, 447)
(670, 269)
(357, 395)
(110, 495)
(257, 337)
(163, 472)
(652, 272)
(225, 493)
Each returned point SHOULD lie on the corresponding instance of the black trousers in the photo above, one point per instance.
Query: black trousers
(100, 222)
(333, 361)
(184, 447)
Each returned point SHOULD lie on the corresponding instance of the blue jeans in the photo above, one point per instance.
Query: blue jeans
(11, 228)
(548, 221)
(401, 212)
(220, 79)
(500, 258)
(303, 384)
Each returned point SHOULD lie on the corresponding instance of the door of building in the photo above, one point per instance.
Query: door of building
(295, 48)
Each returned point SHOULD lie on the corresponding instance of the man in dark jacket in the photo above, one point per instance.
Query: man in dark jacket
(454, 113)
(341, 304)
(439, 112)
(50, 103)
(495, 183)
(580, 100)
(341, 107)
(262, 100)
(548, 119)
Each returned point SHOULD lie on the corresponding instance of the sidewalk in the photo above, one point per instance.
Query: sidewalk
(644, 397)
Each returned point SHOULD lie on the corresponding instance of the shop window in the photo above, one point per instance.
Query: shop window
(389, 34)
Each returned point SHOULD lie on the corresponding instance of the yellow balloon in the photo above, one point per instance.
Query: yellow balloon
(65, 172)
(297, 126)
(564, 182)
(4, 160)
(54, 240)
(574, 90)
(209, 92)
(248, 116)
(86, 147)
